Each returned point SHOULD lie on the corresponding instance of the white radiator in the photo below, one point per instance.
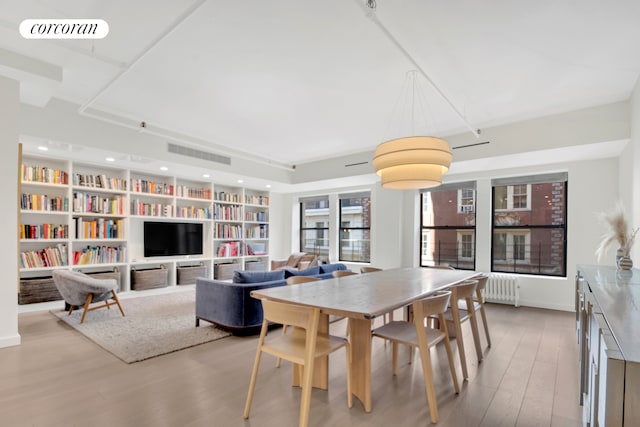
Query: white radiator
(502, 288)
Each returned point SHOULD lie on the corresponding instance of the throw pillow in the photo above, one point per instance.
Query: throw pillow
(311, 271)
(241, 276)
(330, 268)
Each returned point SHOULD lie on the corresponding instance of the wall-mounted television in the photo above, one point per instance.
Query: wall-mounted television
(172, 238)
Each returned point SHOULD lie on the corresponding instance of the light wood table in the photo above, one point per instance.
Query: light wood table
(363, 297)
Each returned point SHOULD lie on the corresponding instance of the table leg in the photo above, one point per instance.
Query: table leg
(360, 336)
(321, 365)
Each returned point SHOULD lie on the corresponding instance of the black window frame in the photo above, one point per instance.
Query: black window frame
(532, 180)
(459, 263)
(349, 196)
(324, 230)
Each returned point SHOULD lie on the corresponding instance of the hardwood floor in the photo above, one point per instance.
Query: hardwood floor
(57, 377)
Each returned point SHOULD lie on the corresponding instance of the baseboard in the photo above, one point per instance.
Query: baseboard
(538, 304)
(10, 341)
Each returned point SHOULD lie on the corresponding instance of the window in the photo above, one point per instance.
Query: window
(355, 227)
(314, 225)
(512, 197)
(529, 225)
(448, 226)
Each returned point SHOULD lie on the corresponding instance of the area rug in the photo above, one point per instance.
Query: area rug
(153, 325)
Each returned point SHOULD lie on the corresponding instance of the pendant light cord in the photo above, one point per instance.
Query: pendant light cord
(371, 4)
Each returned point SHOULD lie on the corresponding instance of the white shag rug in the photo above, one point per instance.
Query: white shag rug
(152, 326)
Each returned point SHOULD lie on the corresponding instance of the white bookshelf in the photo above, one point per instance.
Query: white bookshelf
(102, 211)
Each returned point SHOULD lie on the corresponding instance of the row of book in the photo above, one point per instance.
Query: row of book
(44, 231)
(257, 231)
(193, 212)
(256, 216)
(228, 213)
(100, 228)
(153, 187)
(223, 196)
(252, 199)
(228, 231)
(100, 181)
(43, 174)
(43, 202)
(152, 209)
(54, 256)
(230, 249)
(92, 203)
(99, 255)
(193, 193)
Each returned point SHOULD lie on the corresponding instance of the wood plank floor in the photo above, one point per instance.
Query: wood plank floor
(57, 377)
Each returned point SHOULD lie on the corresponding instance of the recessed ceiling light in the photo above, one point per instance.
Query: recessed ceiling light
(268, 185)
(43, 148)
(110, 159)
(164, 168)
(205, 175)
(240, 181)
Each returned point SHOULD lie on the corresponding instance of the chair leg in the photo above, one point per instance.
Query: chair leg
(425, 357)
(474, 329)
(279, 360)
(115, 298)
(70, 310)
(486, 325)
(87, 303)
(455, 314)
(254, 373)
(394, 362)
(349, 393)
(447, 346)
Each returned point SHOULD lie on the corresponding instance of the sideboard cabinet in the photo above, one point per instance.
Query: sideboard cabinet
(607, 322)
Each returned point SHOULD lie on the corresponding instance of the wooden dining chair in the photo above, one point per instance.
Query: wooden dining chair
(302, 345)
(417, 334)
(342, 273)
(455, 316)
(295, 280)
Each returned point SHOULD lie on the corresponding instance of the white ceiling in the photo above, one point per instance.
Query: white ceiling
(293, 81)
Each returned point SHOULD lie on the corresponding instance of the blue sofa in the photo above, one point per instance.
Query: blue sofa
(230, 305)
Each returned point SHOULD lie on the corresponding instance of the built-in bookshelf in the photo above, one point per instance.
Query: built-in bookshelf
(91, 218)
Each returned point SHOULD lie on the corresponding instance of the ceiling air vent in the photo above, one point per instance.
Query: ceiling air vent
(197, 154)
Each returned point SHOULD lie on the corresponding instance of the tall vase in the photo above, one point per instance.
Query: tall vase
(619, 254)
(625, 263)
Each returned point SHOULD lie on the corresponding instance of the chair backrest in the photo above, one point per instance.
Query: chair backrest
(369, 269)
(291, 314)
(296, 280)
(434, 304)
(342, 273)
(74, 286)
(482, 281)
(463, 290)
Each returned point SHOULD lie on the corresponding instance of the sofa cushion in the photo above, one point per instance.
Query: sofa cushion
(311, 271)
(257, 276)
(330, 268)
(293, 259)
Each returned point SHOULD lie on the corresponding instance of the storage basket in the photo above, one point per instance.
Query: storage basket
(38, 289)
(187, 274)
(150, 278)
(225, 271)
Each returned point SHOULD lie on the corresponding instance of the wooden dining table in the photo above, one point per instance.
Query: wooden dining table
(361, 298)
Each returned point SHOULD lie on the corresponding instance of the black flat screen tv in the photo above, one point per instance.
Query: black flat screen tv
(172, 238)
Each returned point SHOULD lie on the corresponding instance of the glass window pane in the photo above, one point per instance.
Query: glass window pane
(500, 197)
(442, 246)
(355, 223)
(314, 226)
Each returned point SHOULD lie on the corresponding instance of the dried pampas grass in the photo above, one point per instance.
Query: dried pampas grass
(618, 231)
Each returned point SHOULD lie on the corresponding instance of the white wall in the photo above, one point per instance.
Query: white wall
(9, 109)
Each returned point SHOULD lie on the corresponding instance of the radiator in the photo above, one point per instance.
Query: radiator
(502, 288)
